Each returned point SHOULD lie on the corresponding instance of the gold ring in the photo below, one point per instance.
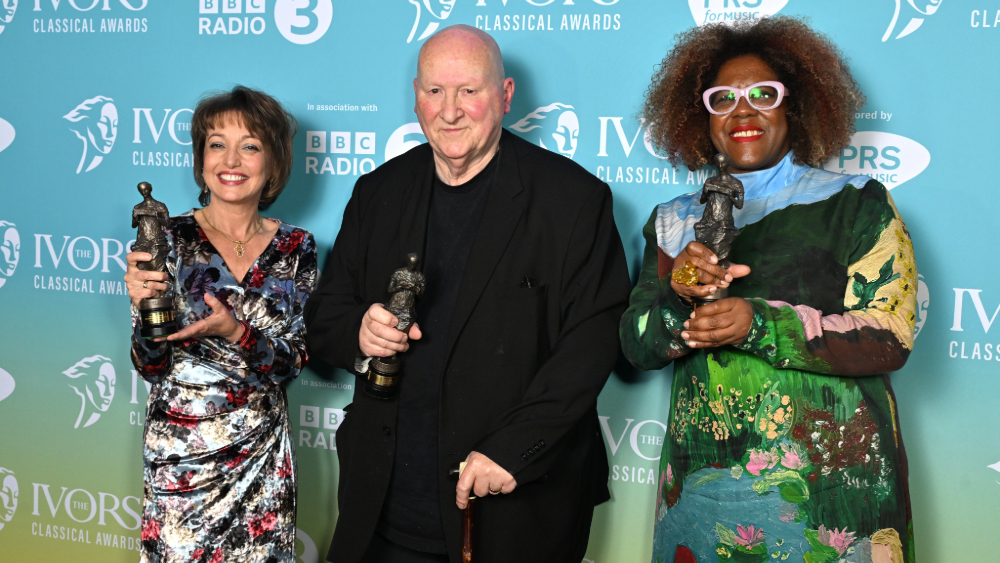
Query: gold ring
(686, 275)
(144, 284)
(492, 492)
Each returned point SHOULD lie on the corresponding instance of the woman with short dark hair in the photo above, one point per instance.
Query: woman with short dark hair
(219, 466)
(783, 441)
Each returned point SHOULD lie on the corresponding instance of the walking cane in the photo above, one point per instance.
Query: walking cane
(456, 472)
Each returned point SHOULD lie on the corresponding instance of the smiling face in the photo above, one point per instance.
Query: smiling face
(567, 132)
(460, 99)
(235, 166)
(754, 139)
(108, 128)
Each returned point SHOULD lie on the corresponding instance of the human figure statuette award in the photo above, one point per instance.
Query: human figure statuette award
(716, 229)
(151, 218)
(405, 285)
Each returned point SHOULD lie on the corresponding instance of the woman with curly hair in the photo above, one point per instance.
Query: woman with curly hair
(783, 441)
(219, 465)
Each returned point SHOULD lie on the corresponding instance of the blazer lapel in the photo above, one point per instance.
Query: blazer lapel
(413, 225)
(500, 218)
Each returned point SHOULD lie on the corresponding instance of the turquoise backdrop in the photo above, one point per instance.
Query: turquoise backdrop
(96, 96)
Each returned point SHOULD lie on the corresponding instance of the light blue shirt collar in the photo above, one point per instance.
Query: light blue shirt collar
(762, 183)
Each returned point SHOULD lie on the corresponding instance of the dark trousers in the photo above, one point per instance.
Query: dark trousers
(381, 550)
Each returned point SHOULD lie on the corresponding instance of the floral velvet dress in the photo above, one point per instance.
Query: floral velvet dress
(785, 447)
(219, 468)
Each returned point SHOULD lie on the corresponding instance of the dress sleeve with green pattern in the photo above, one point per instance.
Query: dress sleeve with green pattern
(874, 332)
(650, 330)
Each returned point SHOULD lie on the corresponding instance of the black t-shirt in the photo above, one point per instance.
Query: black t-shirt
(411, 514)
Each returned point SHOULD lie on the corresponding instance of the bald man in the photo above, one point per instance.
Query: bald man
(516, 333)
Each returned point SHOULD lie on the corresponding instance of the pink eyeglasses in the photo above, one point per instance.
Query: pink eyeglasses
(721, 100)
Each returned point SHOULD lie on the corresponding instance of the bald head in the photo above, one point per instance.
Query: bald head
(467, 42)
(461, 98)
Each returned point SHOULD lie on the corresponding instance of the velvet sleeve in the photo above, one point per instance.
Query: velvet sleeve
(280, 357)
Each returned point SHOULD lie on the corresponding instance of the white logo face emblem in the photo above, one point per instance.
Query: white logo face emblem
(95, 122)
(303, 21)
(8, 496)
(7, 9)
(94, 381)
(889, 158)
(397, 143)
(923, 303)
(917, 9)
(434, 9)
(309, 552)
(10, 250)
(554, 127)
(6, 130)
(732, 11)
(6, 384)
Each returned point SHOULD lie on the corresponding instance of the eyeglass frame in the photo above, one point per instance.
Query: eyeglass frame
(742, 93)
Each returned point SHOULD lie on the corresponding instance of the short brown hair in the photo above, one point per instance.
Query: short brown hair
(823, 96)
(264, 117)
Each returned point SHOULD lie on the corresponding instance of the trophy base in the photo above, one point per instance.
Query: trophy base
(720, 293)
(159, 331)
(157, 317)
(382, 378)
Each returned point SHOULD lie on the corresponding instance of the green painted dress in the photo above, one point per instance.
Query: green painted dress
(787, 446)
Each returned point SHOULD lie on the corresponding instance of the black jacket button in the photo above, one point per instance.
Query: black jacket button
(541, 443)
(524, 456)
(386, 430)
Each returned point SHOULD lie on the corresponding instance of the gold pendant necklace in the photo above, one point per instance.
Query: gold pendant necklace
(239, 243)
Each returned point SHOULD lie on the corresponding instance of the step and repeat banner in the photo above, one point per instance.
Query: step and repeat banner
(97, 96)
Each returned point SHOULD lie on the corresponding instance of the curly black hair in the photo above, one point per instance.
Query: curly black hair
(823, 96)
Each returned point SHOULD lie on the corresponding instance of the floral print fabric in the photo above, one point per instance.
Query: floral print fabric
(219, 468)
(786, 447)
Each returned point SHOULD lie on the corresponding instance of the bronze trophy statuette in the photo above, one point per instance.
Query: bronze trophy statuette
(151, 218)
(405, 285)
(716, 229)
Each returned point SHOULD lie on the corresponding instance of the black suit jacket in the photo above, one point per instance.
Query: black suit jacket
(525, 365)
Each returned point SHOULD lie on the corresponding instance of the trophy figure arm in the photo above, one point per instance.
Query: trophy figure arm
(874, 333)
(395, 283)
(734, 193)
(738, 201)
